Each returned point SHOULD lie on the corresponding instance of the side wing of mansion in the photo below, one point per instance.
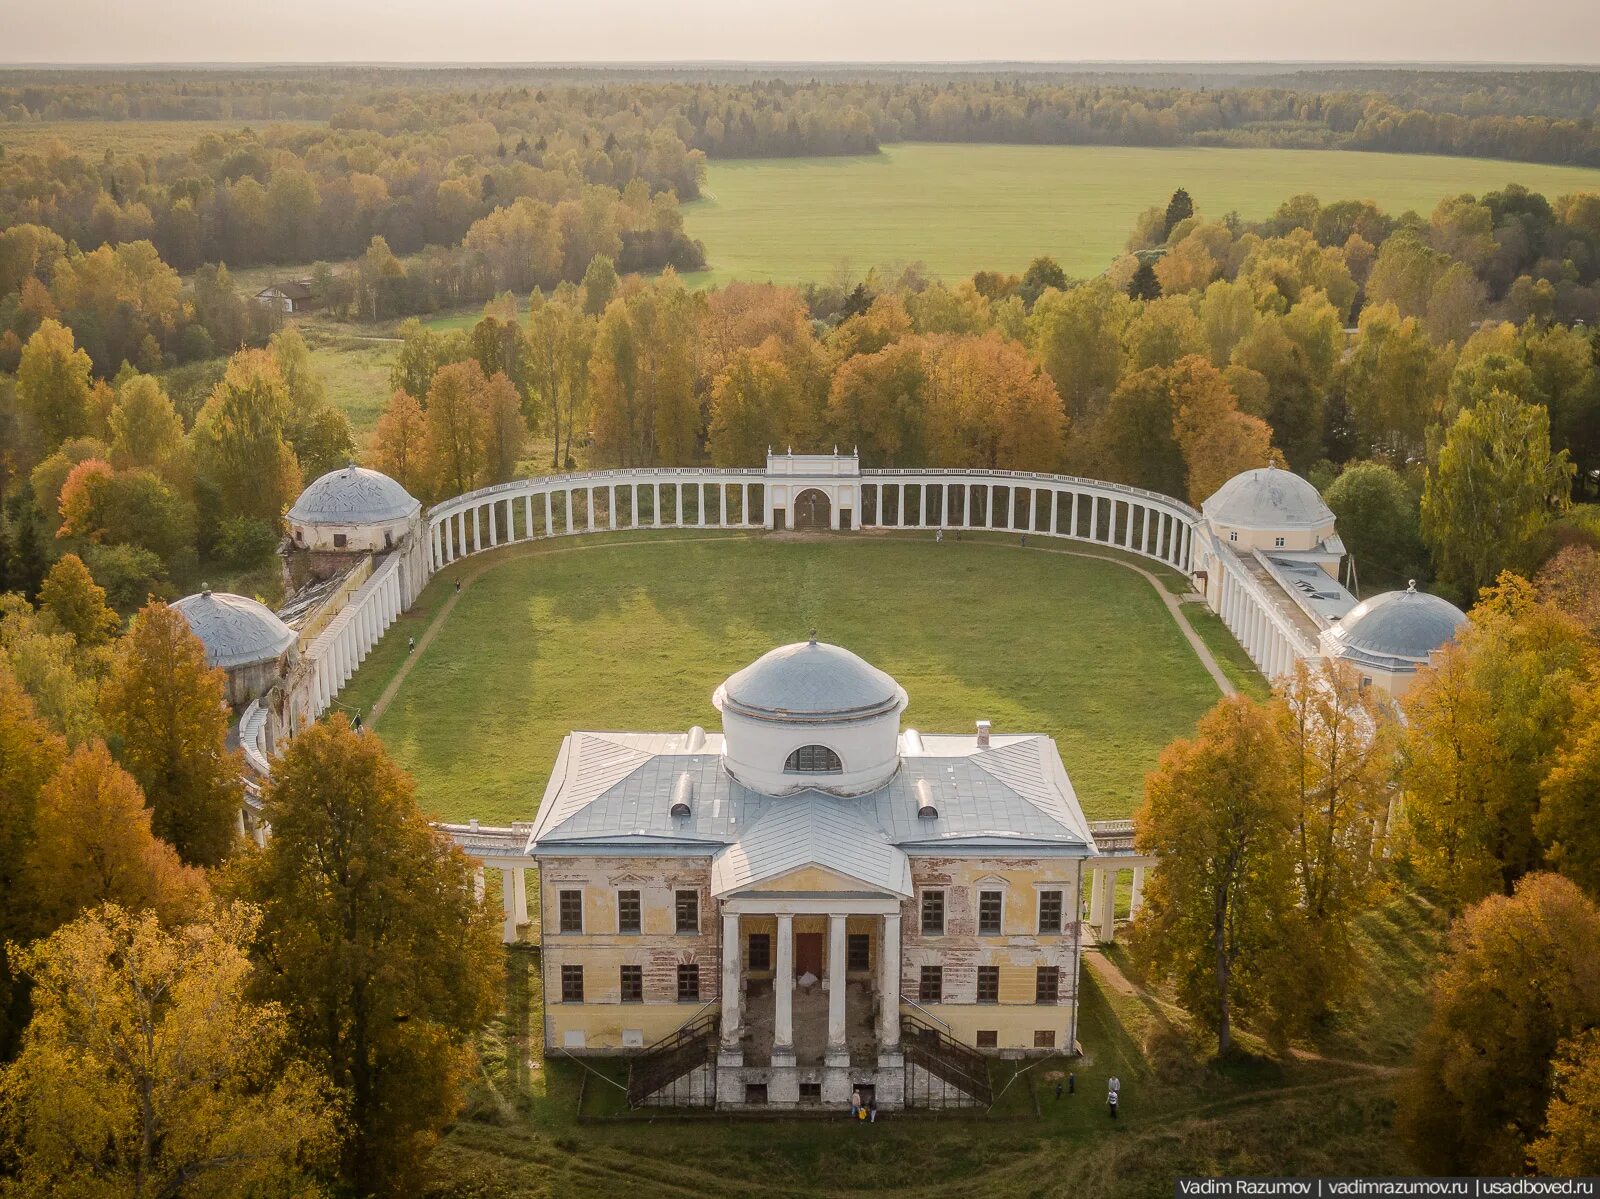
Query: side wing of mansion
(813, 901)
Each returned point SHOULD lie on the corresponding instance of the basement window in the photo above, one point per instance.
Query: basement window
(988, 1038)
(1045, 1038)
(755, 1094)
(811, 1092)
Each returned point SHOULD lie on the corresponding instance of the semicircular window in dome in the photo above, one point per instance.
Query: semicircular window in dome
(813, 759)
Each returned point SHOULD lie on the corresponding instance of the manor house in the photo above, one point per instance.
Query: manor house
(812, 901)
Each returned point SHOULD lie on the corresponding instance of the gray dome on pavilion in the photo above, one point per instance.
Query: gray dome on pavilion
(1397, 628)
(353, 495)
(1267, 498)
(810, 681)
(236, 631)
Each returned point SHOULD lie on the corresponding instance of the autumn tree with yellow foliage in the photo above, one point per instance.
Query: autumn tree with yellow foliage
(374, 942)
(163, 708)
(76, 603)
(147, 1072)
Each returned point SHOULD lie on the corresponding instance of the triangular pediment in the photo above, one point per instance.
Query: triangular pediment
(811, 877)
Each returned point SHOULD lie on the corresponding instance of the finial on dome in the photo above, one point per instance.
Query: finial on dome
(205, 590)
(813, 636)
(1411, 587)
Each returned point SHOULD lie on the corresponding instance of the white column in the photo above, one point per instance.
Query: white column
(549, 522)
(1072, 517)
(508, 903)
(732, 992)
(477, 884)
(1148, 513)
(477, 529)
(520, 877)
(783, 990)
(527, 517)
(1050, 516)
(1096, 882)
(1136, 899)
(889, 983)
(837, 1045)
(722, 506)
(494, 523)
(700, 503)
(633, 503)
(655, 504)
(1108, 910)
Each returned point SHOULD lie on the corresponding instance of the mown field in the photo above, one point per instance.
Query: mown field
(91, 139)
(635, 633)
(963, 208)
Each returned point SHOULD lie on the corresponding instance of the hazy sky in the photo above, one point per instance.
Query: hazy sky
(1565, 31)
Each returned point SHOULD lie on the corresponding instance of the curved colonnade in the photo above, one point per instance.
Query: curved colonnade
(1139, 522)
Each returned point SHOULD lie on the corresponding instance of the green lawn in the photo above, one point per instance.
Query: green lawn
(637, 634)
(962, 208)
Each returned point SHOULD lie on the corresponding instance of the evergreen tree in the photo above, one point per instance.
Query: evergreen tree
(1179, 209)
(1144, 285)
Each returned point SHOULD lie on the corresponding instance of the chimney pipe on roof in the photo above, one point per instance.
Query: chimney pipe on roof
(983, 734)
(682, 794)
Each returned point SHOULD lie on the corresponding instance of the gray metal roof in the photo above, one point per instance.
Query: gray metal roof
(353, 495)
(1267, 498)
(235, 630)
(809, 680)
(816, 830)
(1397, 629)
(612, 792)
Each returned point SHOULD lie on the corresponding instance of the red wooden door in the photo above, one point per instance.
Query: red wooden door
(808, 954)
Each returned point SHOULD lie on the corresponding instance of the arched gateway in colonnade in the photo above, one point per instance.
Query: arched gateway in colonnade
(812, 510)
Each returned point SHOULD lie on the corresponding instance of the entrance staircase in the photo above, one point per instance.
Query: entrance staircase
(947, 1059)
(674, 1057)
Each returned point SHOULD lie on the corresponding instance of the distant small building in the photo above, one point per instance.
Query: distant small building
(293, 295)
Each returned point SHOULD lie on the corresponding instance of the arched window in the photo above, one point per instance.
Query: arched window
(813, 759)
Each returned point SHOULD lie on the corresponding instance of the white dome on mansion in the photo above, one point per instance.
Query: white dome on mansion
(352, 509)
(1267, 498)
(811, 716)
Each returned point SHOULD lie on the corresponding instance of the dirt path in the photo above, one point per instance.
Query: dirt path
(1108, 972)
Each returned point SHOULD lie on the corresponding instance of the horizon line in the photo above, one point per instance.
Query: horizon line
(725, 63)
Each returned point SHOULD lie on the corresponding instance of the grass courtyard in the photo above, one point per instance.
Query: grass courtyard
(962, 208)
(636, 631)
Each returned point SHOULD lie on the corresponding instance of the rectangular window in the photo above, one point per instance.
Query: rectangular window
(989, 905)
(1048, 987)
(933, 913)
(340, 541)
(572, 911)
(1049, 912)
(572, 984)
(988, 984)
(930, 986)
(1278, 542)
(628, 912)
(688, 911)
(811, 1092)
(988, 1038)
(688, 984)
(858, 951)
(633, 984)
(761, 951)
(1044, 1038)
